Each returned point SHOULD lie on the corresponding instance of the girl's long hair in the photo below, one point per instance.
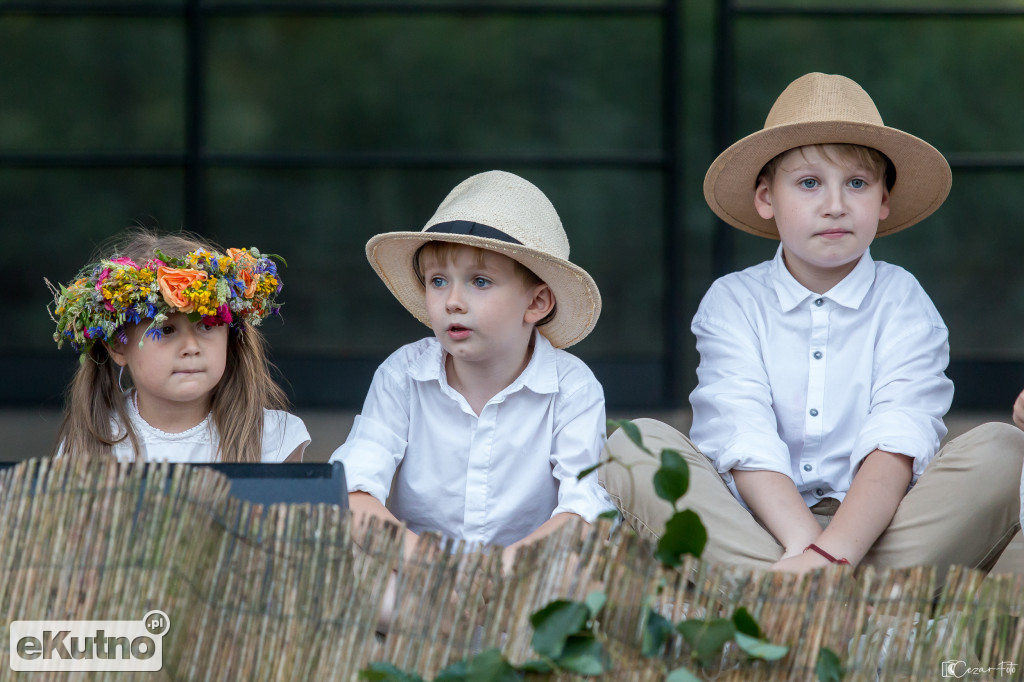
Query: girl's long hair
(94, 401)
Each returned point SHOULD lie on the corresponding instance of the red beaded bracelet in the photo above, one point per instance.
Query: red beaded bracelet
(825, 554)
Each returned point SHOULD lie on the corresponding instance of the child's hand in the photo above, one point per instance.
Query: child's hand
(1018, 411)
(800, 563)
(508, 556)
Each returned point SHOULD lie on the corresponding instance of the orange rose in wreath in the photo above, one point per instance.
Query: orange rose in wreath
(242, 257)
(245, 263)
(173, 282)
(250, 283)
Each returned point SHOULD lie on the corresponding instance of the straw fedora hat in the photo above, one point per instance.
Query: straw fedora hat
(819, 108)
(504, 213)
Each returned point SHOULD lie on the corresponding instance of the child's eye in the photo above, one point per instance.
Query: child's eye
(808, 183)
(480, 282)
(437, 282)
(857, 183)
(207, 327)
(167, 329)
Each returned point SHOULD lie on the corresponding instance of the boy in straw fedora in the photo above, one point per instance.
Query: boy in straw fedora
(480, 430)
(821, 389)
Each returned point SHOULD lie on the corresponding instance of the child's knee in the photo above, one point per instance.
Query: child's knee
(995, 451)
(999, 441)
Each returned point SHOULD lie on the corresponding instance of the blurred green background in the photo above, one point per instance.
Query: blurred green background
(304, 128)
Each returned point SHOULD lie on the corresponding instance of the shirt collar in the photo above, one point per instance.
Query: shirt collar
(540, 375)
(849, 292)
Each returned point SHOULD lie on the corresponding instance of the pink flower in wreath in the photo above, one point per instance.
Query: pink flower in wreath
(102, 278)
(223, 316)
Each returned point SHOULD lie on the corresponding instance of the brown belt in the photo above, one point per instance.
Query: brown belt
(826, 507)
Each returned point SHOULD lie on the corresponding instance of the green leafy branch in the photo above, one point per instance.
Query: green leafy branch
(565, 637)
(566, 633)
(684, 532)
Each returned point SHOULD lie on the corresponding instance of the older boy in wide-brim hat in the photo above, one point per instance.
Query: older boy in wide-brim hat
(821, 384)
(479, 431)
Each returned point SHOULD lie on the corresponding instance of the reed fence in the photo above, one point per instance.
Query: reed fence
(286, 593)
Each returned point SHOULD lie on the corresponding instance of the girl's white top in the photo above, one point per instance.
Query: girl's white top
(282, 433)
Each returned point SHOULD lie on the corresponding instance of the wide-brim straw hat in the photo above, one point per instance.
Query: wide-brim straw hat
(504, 213)
(819, 108)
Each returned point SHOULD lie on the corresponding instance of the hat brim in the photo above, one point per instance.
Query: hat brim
(577, 298)
(923, 177)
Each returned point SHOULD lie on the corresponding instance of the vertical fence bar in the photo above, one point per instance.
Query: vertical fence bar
(194, 109)
(674, 251)
(724, 75)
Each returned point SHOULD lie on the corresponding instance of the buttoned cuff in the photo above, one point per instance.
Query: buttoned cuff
(914, 436)
(753, 452)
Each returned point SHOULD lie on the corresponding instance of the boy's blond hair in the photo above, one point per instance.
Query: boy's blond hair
(444, 253)
(840, 154)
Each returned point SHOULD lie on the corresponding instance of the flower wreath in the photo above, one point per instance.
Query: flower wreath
(239, 287)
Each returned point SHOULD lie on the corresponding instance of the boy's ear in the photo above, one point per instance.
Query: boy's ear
(763, 199)
(116, 351)
(542, 302)
(883, 213)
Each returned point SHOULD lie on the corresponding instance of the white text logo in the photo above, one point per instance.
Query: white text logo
(66, 645)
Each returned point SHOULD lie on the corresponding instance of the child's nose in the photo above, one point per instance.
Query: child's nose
(189, 341)
(835, 204)
(454, 302)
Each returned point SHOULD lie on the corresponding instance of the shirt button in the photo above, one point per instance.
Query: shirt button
(817, 355)
(819, 302)
(814, 412)
(807, 467)
(819, 492)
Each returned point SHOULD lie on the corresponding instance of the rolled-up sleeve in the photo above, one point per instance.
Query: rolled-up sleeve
(911, 392)
(377, 442)
(733, 421)
(577, 443)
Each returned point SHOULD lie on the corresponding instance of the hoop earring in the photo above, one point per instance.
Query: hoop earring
(120, 373)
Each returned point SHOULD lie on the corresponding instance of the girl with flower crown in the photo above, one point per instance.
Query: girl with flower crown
(172, 364)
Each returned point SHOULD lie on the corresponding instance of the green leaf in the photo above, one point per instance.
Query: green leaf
(682, 675)
(745, 623)
(583, 655)
(610, 514)
(386, 672)
(490, 666)
(759, 648)
(589, 470)
(456, 672)
(707, 637)
(828, 667)
(537, 666)
(684, 534)
(595, 601)
(656, 632)
(673, 478)
(631, 431)
(554, 624)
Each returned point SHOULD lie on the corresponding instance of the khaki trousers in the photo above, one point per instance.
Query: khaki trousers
(963, 510)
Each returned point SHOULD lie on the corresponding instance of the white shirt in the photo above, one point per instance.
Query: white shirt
(282, 433)
(489, 479)
(808, 385)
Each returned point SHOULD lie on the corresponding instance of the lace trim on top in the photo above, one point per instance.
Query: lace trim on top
(143, 427)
